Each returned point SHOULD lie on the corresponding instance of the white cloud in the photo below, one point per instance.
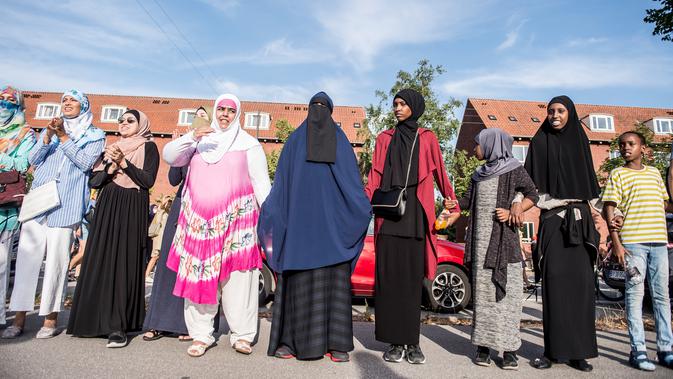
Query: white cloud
(564, 71)
(587, 41)
(277, 52)
(362, 30)
(265, 92)
(511, 37)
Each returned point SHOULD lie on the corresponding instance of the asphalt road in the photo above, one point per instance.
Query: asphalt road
(448, 350)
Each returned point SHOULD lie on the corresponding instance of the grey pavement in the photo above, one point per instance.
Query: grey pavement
(448, 350)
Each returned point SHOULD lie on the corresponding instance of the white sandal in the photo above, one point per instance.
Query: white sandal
(243, 347)
(197, 350)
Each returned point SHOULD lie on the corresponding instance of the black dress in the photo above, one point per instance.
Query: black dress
(110, 292)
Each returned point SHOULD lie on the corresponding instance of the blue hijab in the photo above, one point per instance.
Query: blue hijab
(316, 214)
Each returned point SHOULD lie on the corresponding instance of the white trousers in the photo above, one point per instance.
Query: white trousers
(35, 240)
(239, 296)
(6, 240)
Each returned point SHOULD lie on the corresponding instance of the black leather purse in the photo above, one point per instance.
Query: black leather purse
(392, 203)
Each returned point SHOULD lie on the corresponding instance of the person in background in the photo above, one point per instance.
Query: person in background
(156, 232)
(64, 152)
(16, 141)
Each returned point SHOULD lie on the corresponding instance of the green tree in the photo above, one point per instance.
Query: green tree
(662, 19)
(272, 163)
(283, 130)
(439, 117)
(657, 154)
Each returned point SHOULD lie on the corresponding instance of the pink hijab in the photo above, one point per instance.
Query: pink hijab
(133, 148)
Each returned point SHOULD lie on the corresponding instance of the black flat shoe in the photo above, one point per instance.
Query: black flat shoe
(117, 339)
(580, 364)
(541, 363)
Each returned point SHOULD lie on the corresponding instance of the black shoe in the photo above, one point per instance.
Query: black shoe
(117, 339)
(541, 363)
(395, 353)
(510, 361)
(665, 358)
(483, 357)
(415, 355)
(338, 356)
(580, 364)
(284, 352)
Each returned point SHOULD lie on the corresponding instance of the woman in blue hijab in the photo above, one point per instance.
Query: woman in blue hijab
(312, 227)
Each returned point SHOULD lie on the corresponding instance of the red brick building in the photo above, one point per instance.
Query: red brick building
(168, 114)
(522, 119)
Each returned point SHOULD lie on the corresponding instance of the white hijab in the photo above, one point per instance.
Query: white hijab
(213, 146)
(76, 127)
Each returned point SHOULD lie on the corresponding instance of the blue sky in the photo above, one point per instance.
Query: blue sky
(595, 51)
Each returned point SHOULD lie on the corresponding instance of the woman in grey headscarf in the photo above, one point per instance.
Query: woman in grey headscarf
(492, 245)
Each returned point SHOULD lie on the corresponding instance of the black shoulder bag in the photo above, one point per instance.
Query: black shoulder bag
(392, 203)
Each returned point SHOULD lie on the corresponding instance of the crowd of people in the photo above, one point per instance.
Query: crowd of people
(208, 242)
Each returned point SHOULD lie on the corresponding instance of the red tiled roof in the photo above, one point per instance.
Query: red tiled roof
(163, 112)
(523, 111)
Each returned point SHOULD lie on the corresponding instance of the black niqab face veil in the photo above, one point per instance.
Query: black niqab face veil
(399, 152)
(321, 138)
(559, 161)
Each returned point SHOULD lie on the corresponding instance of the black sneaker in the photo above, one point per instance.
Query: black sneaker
(580, 364)
(395, 353)
(116, 339)
(510, 361)
(415, 355)
(483, 357)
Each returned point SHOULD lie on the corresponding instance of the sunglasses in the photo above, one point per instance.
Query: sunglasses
(128, 120)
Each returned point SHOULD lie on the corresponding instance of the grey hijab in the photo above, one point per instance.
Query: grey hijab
(496, 145)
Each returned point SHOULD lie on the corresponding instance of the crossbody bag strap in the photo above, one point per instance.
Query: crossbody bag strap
(413, 146)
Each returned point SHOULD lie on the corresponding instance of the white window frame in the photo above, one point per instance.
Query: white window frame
(525, 151)
(657, 122)
(528, 226)
(614, 154)
(39, 113)
(183, 117)
(264, 120)
(104, 116)
(609, 122)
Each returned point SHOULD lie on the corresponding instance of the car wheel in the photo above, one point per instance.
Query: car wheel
(450, 291)
(266, 285)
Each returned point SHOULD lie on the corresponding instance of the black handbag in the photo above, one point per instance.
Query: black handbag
(392, 203)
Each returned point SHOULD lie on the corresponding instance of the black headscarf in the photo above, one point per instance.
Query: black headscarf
(559, 161)
(399, 151)
(321, 138)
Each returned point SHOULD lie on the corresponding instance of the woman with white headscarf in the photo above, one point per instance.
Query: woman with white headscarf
(64, 152)
(215, 251)
(110, 294)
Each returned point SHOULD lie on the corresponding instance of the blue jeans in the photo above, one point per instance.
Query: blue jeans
(651, 259)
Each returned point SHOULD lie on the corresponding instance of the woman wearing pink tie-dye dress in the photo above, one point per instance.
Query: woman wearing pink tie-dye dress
(215, 251)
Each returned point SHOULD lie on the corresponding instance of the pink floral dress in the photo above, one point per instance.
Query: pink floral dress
(217, 227)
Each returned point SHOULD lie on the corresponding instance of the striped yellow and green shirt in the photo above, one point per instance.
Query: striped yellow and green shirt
(640, 195)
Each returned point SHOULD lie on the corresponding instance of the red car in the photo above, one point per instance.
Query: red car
(450, 291)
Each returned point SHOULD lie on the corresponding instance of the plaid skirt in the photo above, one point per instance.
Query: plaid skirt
(312, 312)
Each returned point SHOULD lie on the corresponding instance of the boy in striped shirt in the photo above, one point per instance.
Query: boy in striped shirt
(639, 192)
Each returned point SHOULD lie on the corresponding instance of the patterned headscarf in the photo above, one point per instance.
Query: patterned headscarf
(77, 126)
(12, 119)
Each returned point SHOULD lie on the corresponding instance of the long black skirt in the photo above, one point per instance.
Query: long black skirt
(110, 292)
(400, 269)
(166, 311)
(568, 297)
(312, 313)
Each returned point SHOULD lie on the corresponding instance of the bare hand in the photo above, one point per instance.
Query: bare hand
(202, 131)
(176, 134)
(616, 224)
(114, 154)
(516, 215)
(620, 252)
(112, 168)
(502, 214)
(449, 203)
(55, 126)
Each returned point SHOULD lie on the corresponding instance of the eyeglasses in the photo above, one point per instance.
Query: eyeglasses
(128, 120)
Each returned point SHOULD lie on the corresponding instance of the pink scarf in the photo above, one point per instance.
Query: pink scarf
(133, 148)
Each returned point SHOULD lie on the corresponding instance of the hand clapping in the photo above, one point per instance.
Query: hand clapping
(114, 154)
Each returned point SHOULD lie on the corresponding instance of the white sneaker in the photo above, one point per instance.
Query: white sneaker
(45, 333)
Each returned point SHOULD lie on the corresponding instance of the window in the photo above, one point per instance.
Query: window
(535, 119)
(520, 152)
(527, 232)
(602, 123)
(186, 117)
(111, 113)
(614, 154)
(512, 118)
(492, 117)
(257, 120)
(338, 124)
(47, 110)
(356, 125)
(663, 125)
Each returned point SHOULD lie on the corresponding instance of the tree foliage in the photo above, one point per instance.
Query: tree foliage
(283, 129)
(657, 154)
(272, 163)
(439, 117)
(662, 19)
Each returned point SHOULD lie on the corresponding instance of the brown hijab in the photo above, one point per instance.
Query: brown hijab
(133, 148)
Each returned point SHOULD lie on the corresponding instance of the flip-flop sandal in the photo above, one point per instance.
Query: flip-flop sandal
(243, 347)
(197, 350)
(185, 339)
(156, 334)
